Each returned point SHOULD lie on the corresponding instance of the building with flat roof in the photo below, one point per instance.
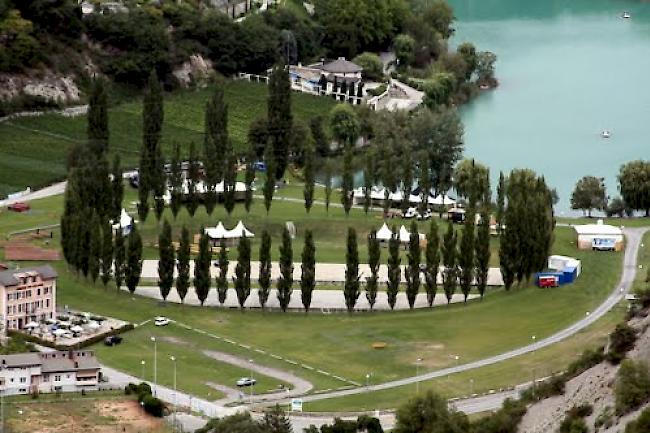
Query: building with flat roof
(599, 236)
(36, 372)
(27, 295)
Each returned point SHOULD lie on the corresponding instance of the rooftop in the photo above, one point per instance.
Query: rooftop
(597, 229)
(20, 360)
(12, 277)
(341, 66)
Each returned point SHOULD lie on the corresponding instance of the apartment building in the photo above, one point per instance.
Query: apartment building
(26, 373)
(27, 295)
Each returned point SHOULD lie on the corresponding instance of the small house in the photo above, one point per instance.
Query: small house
(599, 237)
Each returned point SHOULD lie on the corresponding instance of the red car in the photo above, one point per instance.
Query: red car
(19, 207)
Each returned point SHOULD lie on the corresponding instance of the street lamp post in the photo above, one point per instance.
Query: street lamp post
(471, 387)
(368, 379)
(143, 363)
(417, 373)
(155, 364)
(173, 359)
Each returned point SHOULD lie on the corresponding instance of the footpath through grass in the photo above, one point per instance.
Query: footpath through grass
(33, 149)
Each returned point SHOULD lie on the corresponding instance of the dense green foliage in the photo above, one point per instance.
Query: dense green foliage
(641, 424)
(242, 279)
(589, 194)
(632, 386)
(285, 281)
(429, 413)
(308, 270)
(351, 288)
(202, 265)
(222, 278)
(634, 184)
(412, 270)
(621, 341)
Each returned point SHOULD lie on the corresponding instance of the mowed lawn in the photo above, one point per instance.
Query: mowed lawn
(337, 343)
(33, 150)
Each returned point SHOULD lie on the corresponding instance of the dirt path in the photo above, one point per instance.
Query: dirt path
(299, 386)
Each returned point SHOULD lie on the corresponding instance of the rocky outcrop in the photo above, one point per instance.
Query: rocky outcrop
(48, 86)
(594, 387)
(197, 71)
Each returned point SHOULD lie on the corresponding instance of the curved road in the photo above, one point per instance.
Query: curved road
(633, 237)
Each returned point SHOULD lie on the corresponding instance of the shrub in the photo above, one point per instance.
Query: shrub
(153, 406)
(605, 418)
(140, 389)
(641, 425)
(548, 388)
(632, 386)
(505, 420)
(373, 69)
(573, 425)
(621, 341)
(377, 90)
(588, 359)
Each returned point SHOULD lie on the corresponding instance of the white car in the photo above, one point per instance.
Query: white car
(161, 321)
(246, 381)
(410, 213)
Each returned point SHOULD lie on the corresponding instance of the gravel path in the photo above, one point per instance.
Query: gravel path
(299, 386)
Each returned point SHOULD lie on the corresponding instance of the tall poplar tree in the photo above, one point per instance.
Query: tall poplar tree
(269, 180)
(368, 174)
(176, 181)
(374, 257)
(413, 269)
(117, 188)
(95, 247)
(97, 128)
(407, 176)
(285, 282)
(242, 279)
(202, 268)
(133, 259)
(107, 252)
(229, 181)
(394, 270)
(222, 278)
(249, 179)
(482, 249)
(432, 262)
(264, 278)
(166, 262)
(150, 173)
(193, 175)
(351, 287)
(280, 118)
(466, 254)
(425, 186)
(501, 203)
(308, 192)
(308, 270)
(450, 262)
(183, 265)
(328, 187)
(347, 180)
(119, 259)
(215, 144)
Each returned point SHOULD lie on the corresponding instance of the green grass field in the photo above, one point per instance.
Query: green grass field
(33, 149)
(338, 343)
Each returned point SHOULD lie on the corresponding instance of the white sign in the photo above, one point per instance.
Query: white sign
(296, 405)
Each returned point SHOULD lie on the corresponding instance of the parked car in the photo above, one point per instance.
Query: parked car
(112, 340)
(246, 381)
(19, 207)
(161, 321)
(427, 215)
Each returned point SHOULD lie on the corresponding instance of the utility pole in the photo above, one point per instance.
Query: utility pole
(417, 373)
(173, 359)
(155, 365)
(252, 384)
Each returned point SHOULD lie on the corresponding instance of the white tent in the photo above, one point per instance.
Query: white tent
(240, 231)
(31, 325)
(92, 325)
(440, 200)
(384, 233)
(239, 187)
(125, 223)
(60, 332)
(218, 232)
(76, 329)
(404, 235)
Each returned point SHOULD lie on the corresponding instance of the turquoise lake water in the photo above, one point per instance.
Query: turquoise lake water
(567, 71)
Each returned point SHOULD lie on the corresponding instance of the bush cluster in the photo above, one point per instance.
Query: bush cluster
(641, 425)
(632, 386)
(152, 405)
(621, 341)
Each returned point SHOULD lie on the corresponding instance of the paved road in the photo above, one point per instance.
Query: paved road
(54, 189)
(633, 237)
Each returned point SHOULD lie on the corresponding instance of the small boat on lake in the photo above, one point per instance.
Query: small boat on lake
(626, 15)
(605, 134)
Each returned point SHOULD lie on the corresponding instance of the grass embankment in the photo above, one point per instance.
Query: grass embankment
(33, 149)
(340, 343)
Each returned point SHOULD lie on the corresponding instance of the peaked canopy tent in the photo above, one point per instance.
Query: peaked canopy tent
(384, 234)
(239, 231)
(378, 195)
(125, 223)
